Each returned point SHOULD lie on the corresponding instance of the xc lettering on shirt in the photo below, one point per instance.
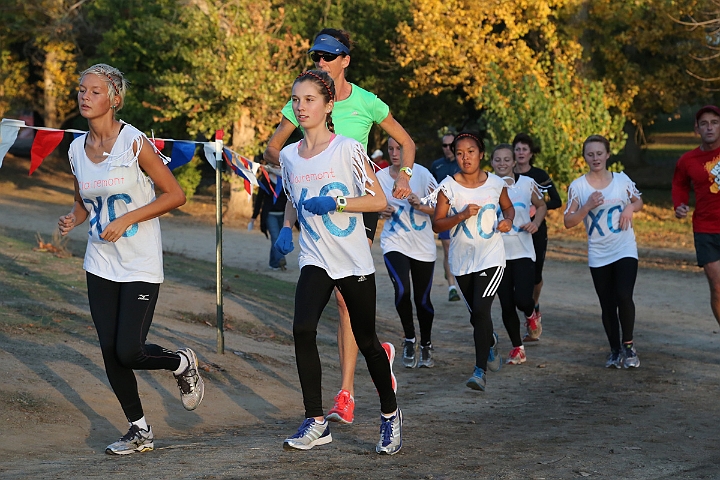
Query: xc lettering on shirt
(327, 221)
(595, 221)
(517, 205)
(413, 223)
(96, 213)
(483, 234)
(396, 221)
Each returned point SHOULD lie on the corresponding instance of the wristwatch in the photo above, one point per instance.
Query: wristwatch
(407, 170)
(341, 204)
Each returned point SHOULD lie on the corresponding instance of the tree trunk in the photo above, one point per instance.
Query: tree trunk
(240, 203)
(50, 108)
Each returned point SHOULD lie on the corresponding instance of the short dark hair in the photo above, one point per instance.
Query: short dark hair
(527, 140)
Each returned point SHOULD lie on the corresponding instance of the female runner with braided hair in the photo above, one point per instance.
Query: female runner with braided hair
(355, 112)
(329, 183)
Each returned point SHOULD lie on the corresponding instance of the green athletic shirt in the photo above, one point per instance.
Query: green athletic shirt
(353, 116)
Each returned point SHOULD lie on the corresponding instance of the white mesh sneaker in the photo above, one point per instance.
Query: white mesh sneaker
(135, 440)
(390, 434)
(426, 357)
(310, 434)
(192, 388)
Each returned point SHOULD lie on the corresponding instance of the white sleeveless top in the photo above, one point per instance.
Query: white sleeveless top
(475, 244)
(607, 243)
(335, 242)
(409, 231)
(518, 242)
(109, 190)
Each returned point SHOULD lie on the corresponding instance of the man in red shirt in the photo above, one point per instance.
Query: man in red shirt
(699, 169)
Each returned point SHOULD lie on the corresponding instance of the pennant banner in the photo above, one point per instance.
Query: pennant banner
(210, 148)
(8, 133)
(45, 142)
(47, 139)
(182, 153)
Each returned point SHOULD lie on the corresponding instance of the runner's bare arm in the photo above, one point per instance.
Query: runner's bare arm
(396, 131)
(277, 141)
(78, 214)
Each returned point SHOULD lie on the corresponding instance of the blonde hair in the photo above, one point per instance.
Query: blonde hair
(113, 78)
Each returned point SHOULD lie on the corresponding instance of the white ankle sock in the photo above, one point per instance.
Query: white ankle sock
(183, 364)
(142, 424)
(388, 415)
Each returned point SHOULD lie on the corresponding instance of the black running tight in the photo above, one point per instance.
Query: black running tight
(478, 289)
(400, 267)
(614, 284)
(515, 292)
(122, 313)
(311, 295)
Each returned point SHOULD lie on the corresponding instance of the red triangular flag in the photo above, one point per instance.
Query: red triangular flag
(159, 143)
(45, 142)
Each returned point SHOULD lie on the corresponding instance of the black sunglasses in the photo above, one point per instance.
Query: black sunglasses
(328, 57)
(447, 145)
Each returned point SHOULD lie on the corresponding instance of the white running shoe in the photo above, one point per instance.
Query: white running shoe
(135, 440)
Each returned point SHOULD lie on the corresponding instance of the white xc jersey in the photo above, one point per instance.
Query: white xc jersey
(110, 189)
(335, 241)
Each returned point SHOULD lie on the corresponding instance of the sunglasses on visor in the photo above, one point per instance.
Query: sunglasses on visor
(328, 57)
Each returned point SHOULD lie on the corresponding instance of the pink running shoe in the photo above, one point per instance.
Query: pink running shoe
(344, 409)
(517, 356)
(390, 352)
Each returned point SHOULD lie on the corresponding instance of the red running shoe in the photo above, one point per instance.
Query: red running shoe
(516, 356)
(534, 326)
(344, 409)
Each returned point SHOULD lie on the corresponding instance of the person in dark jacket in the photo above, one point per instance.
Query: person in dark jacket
(269, 203)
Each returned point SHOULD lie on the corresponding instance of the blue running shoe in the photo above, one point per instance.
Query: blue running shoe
(477, 381)
(390, 434)
(310, 434)
(615, 359)
(630, 357)
(494, 362)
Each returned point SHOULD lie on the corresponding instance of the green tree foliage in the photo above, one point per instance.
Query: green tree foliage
(639, 49)
(45, 31)
(203, 65)
(189, 177)
(560, 117)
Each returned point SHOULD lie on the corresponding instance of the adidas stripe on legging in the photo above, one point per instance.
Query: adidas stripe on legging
(478, 289)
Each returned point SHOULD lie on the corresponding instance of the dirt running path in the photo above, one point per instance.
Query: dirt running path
(560, 415)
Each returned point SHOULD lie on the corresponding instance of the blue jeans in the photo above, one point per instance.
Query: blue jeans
(274, 224)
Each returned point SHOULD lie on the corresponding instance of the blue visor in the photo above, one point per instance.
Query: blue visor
(326, 43)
